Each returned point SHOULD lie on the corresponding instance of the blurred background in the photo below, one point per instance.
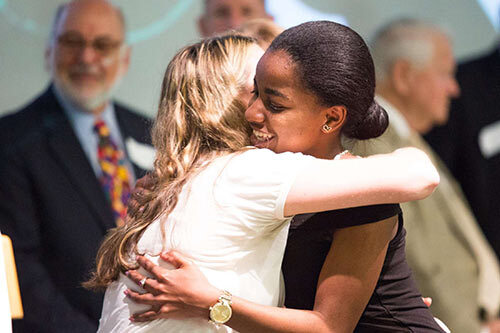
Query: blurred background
(158, 28)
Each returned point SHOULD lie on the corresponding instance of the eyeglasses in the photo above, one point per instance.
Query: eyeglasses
(74, 43)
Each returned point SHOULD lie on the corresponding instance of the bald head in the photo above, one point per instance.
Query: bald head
(81, 7)
(415, 70)
(86, 54)
(222, 15)
(407, 39)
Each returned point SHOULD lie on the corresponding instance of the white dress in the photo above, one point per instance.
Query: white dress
(229, 221)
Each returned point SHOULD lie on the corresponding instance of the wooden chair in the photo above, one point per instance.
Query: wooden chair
(16, 307)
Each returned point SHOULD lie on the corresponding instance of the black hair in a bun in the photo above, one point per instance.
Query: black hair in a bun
(334, 63)
(371, 126)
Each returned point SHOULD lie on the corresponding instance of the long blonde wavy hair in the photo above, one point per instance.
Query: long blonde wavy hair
(200, 116)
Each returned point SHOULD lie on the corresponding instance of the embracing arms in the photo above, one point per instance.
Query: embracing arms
(406, 174)
(346, 283)
(351, 269)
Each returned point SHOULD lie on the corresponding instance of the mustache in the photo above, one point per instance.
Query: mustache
(87, 69)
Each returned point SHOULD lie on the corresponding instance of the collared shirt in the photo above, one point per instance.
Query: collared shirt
(83, 122)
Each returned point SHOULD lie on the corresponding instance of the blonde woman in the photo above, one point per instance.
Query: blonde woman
(225, 205)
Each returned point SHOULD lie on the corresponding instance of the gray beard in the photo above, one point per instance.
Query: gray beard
(71, 95)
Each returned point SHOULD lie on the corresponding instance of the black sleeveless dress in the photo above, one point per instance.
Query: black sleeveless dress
(395, 305)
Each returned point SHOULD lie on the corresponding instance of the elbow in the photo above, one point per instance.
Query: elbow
(427, 181)
(424, 177)
(430, 185)
(420, 177)
(434, 181)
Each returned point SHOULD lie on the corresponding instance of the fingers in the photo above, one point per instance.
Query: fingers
(135, 276)
(148, 299)
(136, 202)
(145, 316)
(427, 301)
(146, 283)
(153, 286)
(155, 270)
(141, 183)
(145, 263)
(145, 182)
(175, 258)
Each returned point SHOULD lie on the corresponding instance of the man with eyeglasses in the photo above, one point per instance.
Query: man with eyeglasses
(69, 160)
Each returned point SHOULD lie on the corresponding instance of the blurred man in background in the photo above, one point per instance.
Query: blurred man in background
(451, 260)
(262, 29)
(222, 15)
(469, 143)
(69, 160)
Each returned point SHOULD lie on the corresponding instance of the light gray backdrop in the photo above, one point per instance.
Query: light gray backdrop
(160, 27)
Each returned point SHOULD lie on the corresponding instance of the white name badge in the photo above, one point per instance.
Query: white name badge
(489, 139)
(140, 154)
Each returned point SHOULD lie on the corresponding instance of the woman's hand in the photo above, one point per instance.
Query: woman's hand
(179, 293)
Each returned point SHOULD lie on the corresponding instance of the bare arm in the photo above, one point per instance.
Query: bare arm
(185, 292)
(346, 283)
(404, 175)
(351, 271)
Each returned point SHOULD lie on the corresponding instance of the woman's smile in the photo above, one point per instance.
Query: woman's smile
(260, 139)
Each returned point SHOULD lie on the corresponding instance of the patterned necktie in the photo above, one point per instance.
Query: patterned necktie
(115, 178)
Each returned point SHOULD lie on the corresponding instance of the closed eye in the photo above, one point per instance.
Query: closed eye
(273, 107)
(255, 90)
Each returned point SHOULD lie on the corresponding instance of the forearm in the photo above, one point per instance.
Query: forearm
(246, 316)
(346, 283)
(252, 317)
(185, 293)
(404, 175)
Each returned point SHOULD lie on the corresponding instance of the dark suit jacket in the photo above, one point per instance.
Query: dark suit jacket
(457, 143)
(53, 207)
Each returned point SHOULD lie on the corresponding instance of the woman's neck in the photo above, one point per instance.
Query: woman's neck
(330, 153)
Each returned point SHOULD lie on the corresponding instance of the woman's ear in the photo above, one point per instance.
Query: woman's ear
(335, 118)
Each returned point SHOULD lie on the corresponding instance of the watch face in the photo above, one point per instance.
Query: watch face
(220, 313)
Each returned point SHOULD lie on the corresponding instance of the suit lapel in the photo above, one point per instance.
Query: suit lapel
(69, 154)
(451, 203)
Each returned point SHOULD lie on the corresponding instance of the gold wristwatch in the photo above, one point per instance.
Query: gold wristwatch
(221, 311)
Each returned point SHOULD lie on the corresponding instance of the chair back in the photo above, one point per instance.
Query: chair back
(10, 272)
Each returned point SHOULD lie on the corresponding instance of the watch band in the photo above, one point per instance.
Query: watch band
(221, 311)
(226, 296)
